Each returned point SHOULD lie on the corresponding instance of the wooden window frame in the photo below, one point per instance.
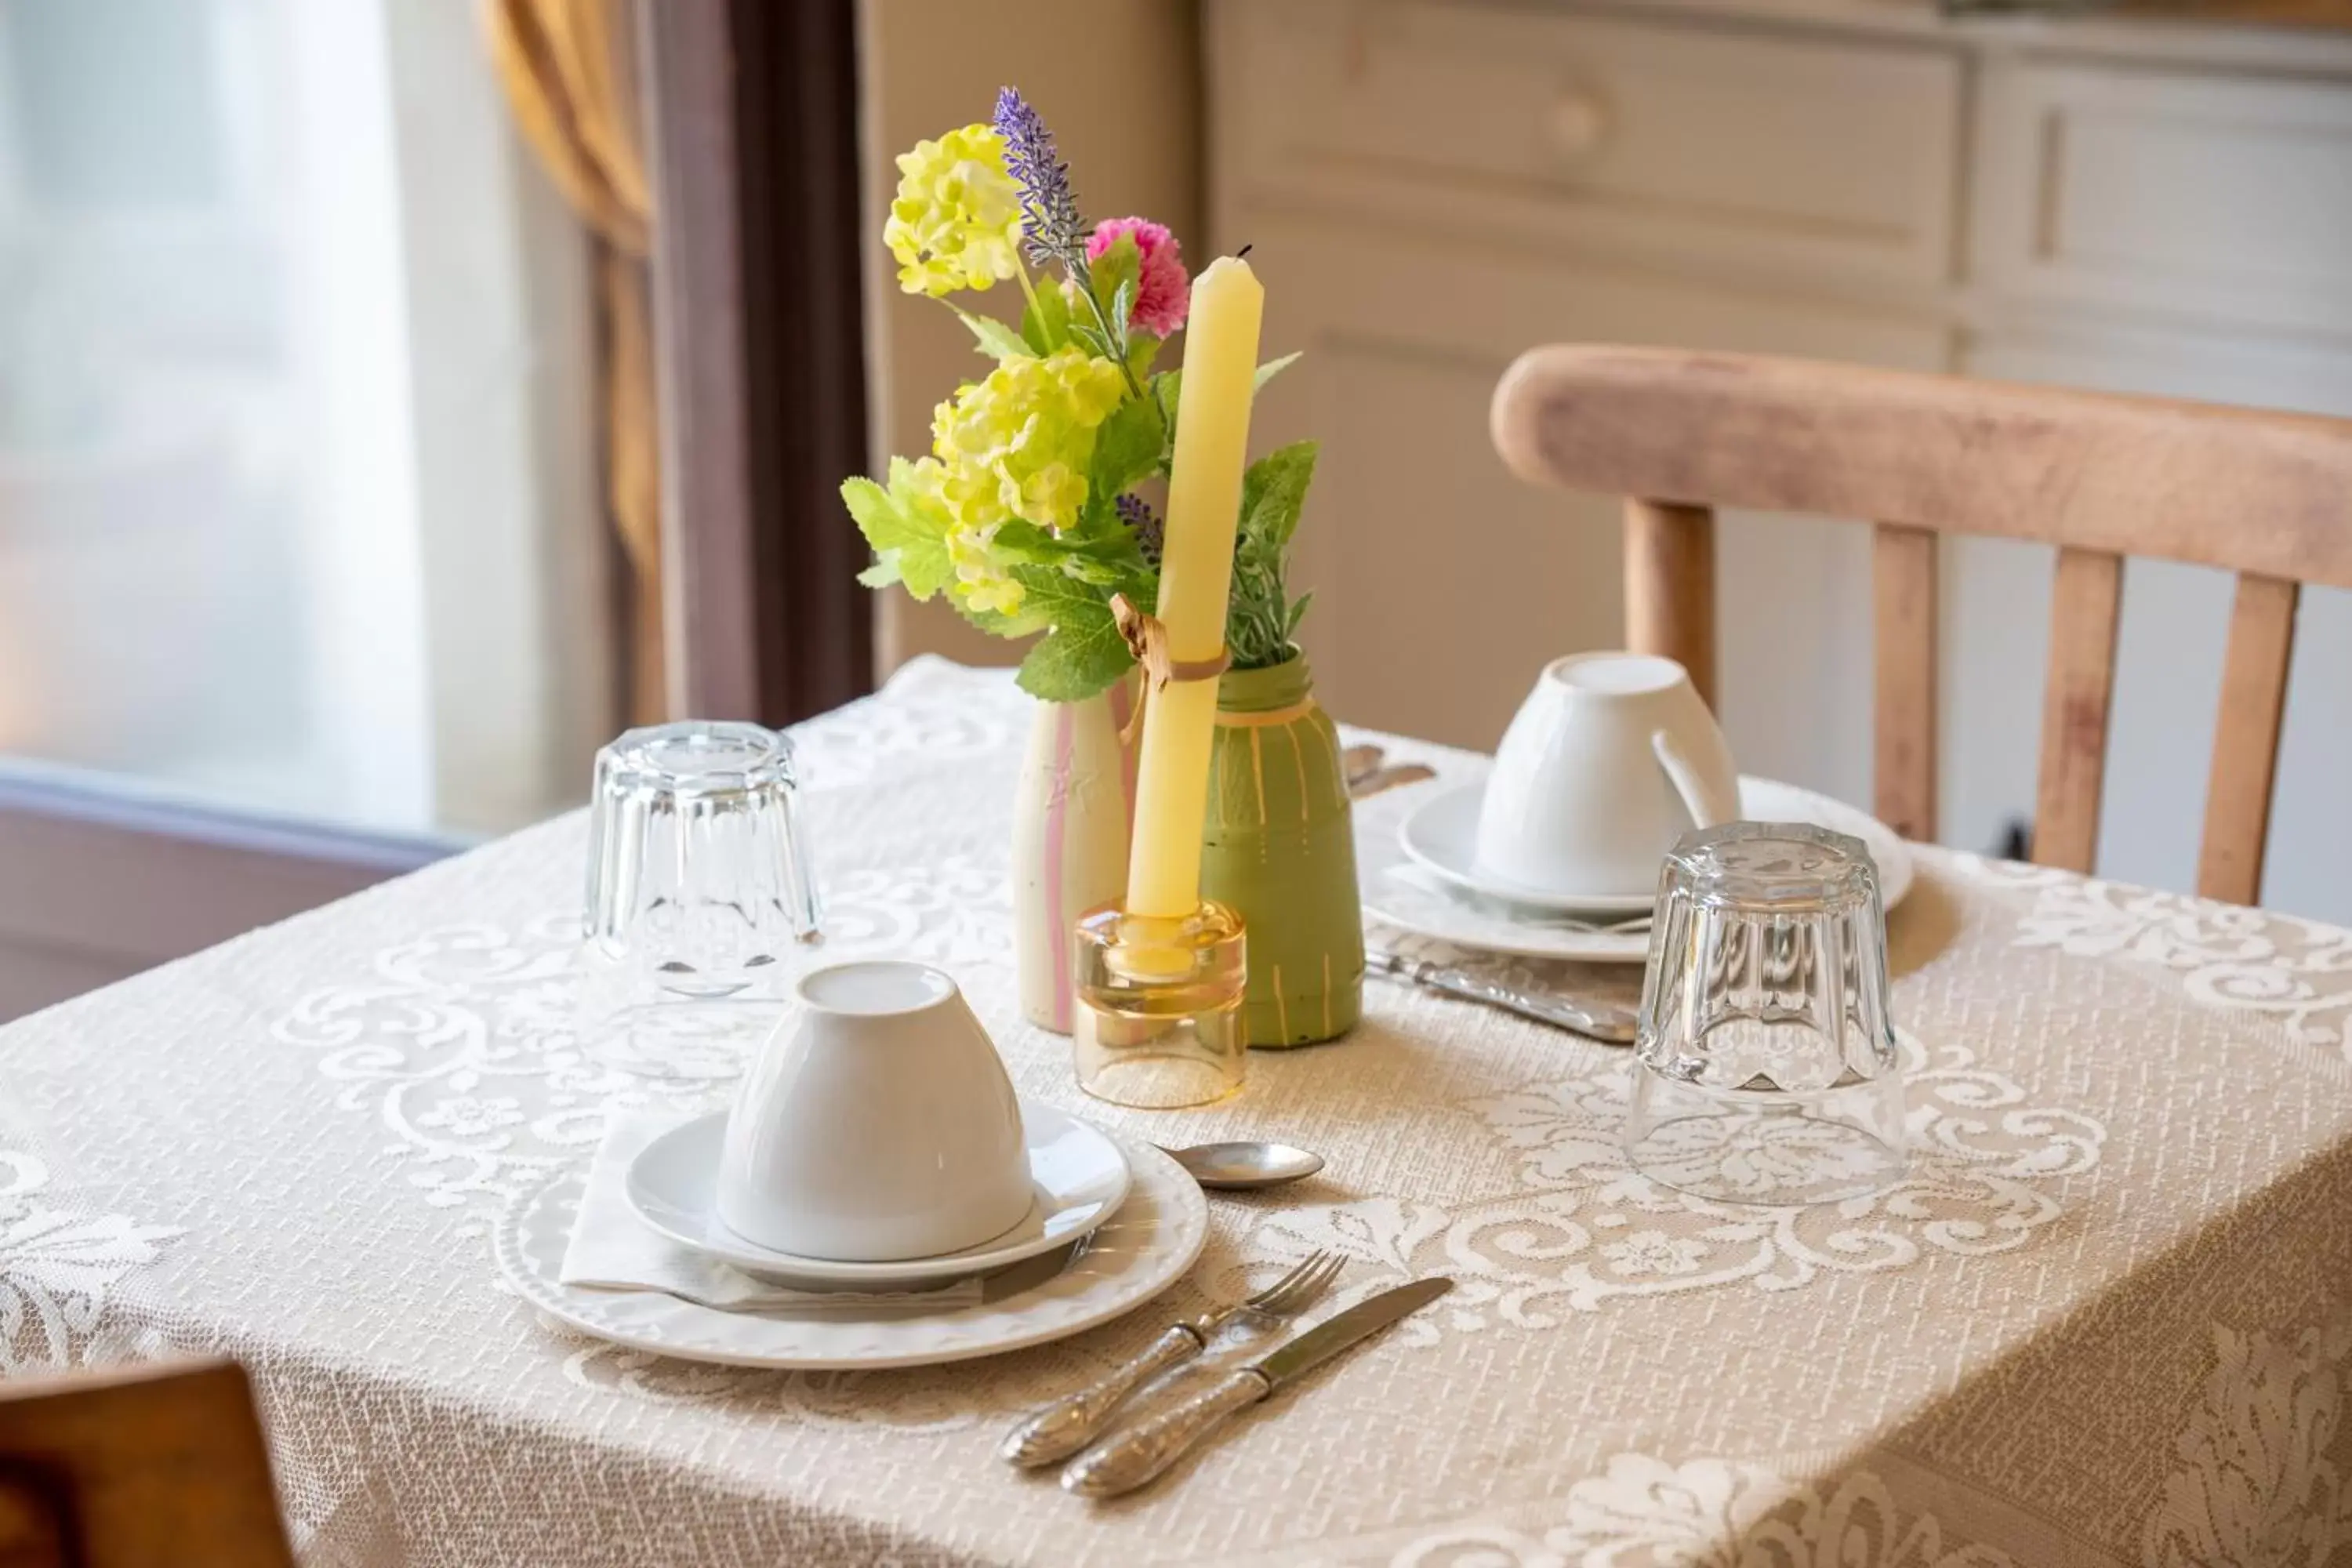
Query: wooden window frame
(752, 130)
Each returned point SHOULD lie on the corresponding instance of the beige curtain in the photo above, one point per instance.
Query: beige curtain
(569, 69)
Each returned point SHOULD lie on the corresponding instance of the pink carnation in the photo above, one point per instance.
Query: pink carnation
(1163, 293)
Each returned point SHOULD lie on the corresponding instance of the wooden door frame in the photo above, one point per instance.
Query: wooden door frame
(751, 111)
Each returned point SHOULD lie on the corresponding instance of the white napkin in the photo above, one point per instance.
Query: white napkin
(611, 1250)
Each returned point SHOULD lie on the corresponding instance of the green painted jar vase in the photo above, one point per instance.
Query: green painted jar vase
(1279, 845)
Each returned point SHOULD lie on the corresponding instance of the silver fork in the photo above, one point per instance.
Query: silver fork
(1070, 1423)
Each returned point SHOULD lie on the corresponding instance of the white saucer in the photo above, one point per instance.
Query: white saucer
(1443, 836)
(1139, 1252)
(1410, 891)
(1079, 1175)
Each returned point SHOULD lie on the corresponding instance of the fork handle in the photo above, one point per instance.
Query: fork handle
(1125, 1462)
(1070, 1423)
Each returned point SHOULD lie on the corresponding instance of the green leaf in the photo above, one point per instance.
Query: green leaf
(1122, 307)
(1297, 613)
(1082, 653)
(1258, 619)
(1046, 324)
(903, 536)
(1101, 552)
(1142, 348)
(1168, 390)
(882, 574)
(1129, 447)
(877, 515)
(1117, 272)
(1273, 491)
(1271, 369)
(1022, 540)
(996, 340)
(1096, 343)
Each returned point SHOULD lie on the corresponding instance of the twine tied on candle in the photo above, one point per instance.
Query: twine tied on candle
(1147, 637)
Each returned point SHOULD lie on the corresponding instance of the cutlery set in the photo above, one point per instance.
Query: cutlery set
(1107, 1467)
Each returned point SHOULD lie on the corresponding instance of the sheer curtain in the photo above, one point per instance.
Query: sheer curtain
(569, 70)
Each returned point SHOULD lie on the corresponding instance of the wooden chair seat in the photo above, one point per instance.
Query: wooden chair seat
(137, 1466)
(2265, 494)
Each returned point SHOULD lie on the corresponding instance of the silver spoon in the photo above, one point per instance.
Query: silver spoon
(1240, 1167)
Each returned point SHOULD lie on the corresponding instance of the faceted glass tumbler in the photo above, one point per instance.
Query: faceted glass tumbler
(701, 902)
(1766, 1071)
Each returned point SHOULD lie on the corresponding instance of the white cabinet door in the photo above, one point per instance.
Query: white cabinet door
(1790, 154)
(2169, 649)
(1442, 584)
(2204, 196)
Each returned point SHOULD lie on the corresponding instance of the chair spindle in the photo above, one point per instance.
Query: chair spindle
(1903, 721)
(2075, 707)
(1670, 586)
(2246, 738)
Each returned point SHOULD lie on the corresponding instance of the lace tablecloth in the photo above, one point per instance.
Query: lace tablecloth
(2107, 1319)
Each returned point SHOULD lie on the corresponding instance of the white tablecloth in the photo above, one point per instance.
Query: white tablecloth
(2107, 1319)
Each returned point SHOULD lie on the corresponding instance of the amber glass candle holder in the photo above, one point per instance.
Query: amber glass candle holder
(1158, 1006)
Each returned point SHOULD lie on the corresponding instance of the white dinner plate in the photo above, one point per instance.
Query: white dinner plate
(1405, 896)
(1078, 1175)
(1145, 1247)
(1406, 891)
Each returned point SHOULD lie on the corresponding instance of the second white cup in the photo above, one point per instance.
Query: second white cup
(878, 1125)
(1610, 759)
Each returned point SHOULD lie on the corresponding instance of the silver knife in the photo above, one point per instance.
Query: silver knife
(1124, 1462)
(1602, 1021)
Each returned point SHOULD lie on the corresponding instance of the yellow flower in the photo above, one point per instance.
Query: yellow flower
(956, 223)
(1017, 444)
(981, 580)
(1055, 490)
(1092, 386)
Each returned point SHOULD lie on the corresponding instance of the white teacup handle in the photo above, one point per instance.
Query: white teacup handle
(1708, 804)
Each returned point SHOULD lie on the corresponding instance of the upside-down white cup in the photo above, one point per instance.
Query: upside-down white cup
(879, 1123)
(1610, 759)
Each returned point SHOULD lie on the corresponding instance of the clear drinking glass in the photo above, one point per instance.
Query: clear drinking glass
(1766, 1071)
(1158, 1020)
(701, 902)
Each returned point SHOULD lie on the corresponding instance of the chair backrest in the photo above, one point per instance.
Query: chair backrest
(131, 1466)
(2268, 495)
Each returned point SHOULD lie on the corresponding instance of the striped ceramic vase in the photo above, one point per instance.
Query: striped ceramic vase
(1280, 847)
(1070, 823)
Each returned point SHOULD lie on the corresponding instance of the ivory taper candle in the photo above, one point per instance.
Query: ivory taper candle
(1196, 569)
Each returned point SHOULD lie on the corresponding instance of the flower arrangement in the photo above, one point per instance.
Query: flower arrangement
(1031, 512)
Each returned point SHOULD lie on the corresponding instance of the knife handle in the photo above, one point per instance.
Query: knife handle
(1609, 1025)
(1125, 1462)
(1476, 988)
(1069, 1424)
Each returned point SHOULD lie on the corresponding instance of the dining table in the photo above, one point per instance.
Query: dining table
(2104, 1318)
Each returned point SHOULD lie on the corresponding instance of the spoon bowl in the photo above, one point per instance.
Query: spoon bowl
(1245, 1166)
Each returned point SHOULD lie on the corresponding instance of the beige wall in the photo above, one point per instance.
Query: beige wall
(1118, 81)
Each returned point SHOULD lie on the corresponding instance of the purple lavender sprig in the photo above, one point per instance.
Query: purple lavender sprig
(1144, 523)
(1049, 209)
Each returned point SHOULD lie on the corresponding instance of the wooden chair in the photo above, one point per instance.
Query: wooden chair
(2268, 495)
(134, 1468)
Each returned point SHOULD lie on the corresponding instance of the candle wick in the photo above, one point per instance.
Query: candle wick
(1243, 252)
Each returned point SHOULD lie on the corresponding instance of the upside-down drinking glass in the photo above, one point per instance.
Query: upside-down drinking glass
(1766, 1071)
(701, 903)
